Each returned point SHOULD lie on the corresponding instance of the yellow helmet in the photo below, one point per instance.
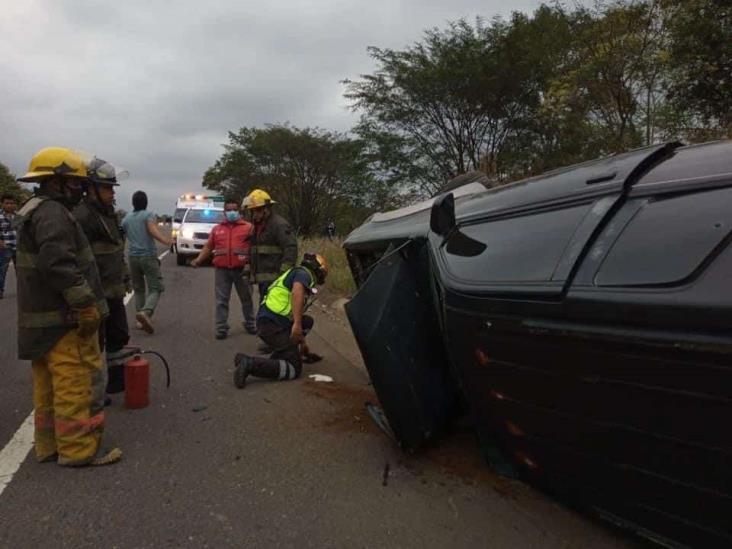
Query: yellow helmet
(256, 199)
(55, 161)
(317, 264)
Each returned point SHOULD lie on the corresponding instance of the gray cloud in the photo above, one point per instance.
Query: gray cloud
(155, 86)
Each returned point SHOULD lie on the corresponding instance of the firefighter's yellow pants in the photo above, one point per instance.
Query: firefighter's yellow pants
(68, 395)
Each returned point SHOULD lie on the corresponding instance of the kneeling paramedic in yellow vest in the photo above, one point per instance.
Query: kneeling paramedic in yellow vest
(60, 307)
(282, 324)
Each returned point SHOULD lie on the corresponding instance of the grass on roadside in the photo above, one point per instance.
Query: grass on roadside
(339, 276)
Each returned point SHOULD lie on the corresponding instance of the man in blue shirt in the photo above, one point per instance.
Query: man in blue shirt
(8, 242)
(141, 229)
(282, 324)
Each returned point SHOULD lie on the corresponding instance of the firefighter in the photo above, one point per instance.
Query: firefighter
(282, 324)
(274, 246)
(100, 223)
(229, 243)
(60, 307)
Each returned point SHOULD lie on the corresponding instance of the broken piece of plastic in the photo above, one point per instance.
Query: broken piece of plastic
(321, 378)
(378, 417)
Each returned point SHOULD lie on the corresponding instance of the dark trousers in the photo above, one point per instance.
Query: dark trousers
(285, 361)
(114, 334)
(263, 287)
(6, 256)
(224, 279)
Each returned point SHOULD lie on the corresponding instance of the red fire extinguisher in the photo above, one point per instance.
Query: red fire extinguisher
(137, 380)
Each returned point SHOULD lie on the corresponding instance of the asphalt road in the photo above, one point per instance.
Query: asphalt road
(288, 464)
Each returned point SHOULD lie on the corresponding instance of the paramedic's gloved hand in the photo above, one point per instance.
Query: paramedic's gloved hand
(89, 320)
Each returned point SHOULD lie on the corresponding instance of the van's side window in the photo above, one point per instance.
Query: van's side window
(526, 248)
(668, 240)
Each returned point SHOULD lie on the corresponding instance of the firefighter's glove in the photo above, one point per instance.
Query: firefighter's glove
(88, 320)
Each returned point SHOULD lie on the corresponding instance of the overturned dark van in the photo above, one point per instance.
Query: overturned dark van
(582, 318)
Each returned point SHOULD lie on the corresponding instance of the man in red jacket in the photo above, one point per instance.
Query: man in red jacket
(229, 243)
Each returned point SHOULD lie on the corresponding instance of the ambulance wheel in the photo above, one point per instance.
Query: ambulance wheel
(180, 259)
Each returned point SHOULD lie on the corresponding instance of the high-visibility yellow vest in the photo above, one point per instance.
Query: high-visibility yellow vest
(277, 298)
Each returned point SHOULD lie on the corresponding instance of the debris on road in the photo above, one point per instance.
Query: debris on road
(378, 417)
(321, 378)
(199, 408)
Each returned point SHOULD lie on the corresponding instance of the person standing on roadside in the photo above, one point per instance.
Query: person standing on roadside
(60, 307)
(229, 242)
(8, 240)
(141, 229)
(100, 224)
(274, 245)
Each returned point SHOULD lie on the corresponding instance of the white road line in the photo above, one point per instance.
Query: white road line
(15, 451)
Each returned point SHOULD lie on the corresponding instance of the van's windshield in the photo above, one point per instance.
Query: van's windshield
(204, 216)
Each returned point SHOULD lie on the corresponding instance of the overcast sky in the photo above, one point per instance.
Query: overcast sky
(155, 86)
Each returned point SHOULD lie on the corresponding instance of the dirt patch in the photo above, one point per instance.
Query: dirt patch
(347, 406)
(327, 297)
(456, 455)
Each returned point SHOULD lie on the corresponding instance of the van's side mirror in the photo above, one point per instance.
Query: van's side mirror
(442, 218)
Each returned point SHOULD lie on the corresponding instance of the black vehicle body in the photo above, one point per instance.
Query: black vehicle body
(584, 317)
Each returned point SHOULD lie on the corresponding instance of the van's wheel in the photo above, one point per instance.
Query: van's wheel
(180, 259)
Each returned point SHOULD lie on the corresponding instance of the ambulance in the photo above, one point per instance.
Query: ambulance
(195, 215)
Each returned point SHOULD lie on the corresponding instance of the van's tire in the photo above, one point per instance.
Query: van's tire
(180, 259)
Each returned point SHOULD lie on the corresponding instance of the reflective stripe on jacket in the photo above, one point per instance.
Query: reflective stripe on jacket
(57, 275)
(278, 299)
(274, 249)
(230, 244)
(108, 246)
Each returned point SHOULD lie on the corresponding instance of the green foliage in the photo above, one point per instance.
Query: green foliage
(314, 175)
(554, 128)
(438, 108)
(537, 92)
(700, 62)
(8, 185)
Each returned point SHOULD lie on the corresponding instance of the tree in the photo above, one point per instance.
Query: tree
(618, 71)
(700, 64)
(8, 184)
(440, 108)
(311, 173)
(554, 128)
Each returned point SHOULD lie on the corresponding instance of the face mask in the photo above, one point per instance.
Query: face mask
(232, 215)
